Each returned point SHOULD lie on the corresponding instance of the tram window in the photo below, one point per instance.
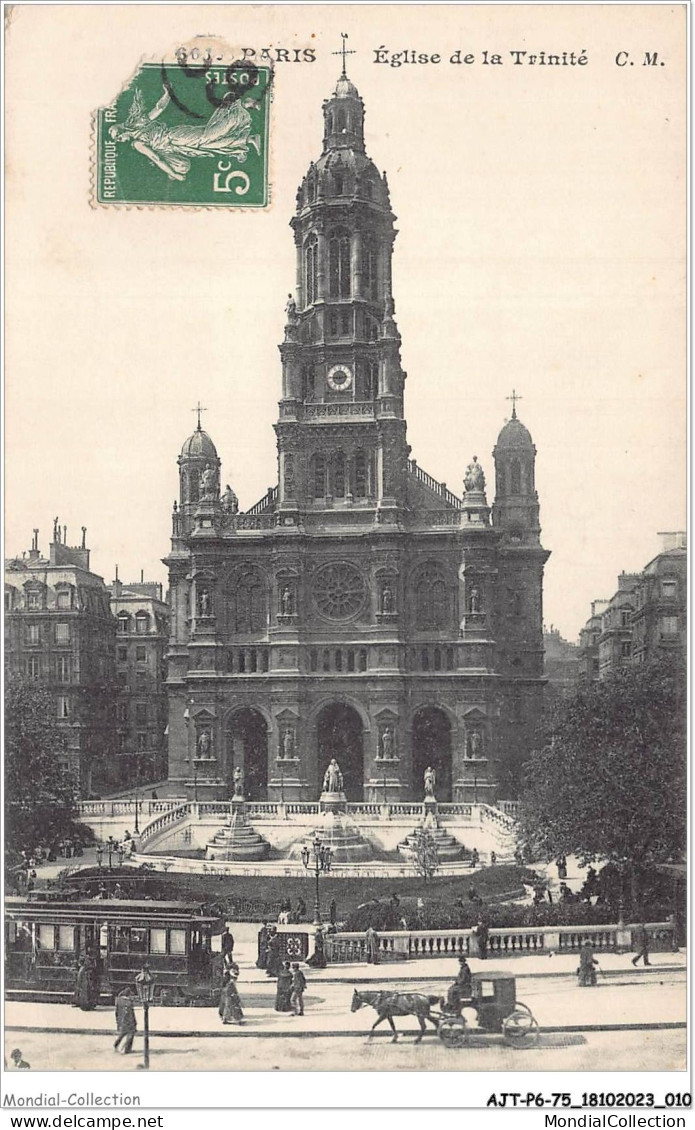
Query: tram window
(158, 941)
(121, 939)
(11, 932)
(138, 940)
(177, 941)
(46, 937)
(66, 938)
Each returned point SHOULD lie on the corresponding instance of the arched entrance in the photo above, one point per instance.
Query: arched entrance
(432, 746)
(247, 747)
(339, 735)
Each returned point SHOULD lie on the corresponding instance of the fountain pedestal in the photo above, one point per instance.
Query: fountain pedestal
(448, 848)
(332, 802)
(237, 840)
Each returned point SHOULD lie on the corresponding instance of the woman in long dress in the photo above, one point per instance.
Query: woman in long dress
(230, 1009)
(284, 989)
(87, 986)
(318, 957)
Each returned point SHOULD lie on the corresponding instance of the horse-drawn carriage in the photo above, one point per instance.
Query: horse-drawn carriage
(491, 1007)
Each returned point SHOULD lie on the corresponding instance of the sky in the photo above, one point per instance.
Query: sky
(541, 248)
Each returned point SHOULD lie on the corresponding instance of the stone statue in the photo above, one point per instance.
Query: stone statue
(387, 599)
(387, 744)
(475, 743)
(333, 778)
(208, 482)
(474, 600)
(176, 520)
(389, 305)
(287, 601)
(474, 478)
(238, 777)
(291, 309)
(204, 744)
(205, 603)
(288, 744)
(56, 530)
(230, 502)
(430, 781)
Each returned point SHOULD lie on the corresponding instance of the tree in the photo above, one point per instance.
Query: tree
(40, 796)
(426, 857)
(608, 780)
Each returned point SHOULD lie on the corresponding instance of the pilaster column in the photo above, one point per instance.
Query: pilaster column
(356, 263)
(321, 273)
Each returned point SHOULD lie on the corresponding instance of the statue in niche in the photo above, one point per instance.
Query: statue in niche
(475, 744)
(205, 745)
(389, 305)
(205, 603)
(230, 502)
(430, 781)
(238, 778)
(291, 309)
(387, 744)
(288, 744)
(387, 601)
(287, 601)
(474, 600)
(474, 478)
(208, 482)
(333, 778)
(176, 520)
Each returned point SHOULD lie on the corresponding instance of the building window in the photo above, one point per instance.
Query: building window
(326, 660)
(63, 706)
(33, 599)
(669, 589)
(626, 649)
(142, 623)
(369, 267)
(339, 265)
(311, 252)
(338, 184)
(363, 659)
(141, 714)
(142, 742)
(123, 655)
(361, 481)
(333, 323)
(62, 633)
(338, 475)
(141, 655)
(33, 634)
(669, 626)
(63, 599)
(313, 659)
(251, 605)
(515, 476)
(123, 622)
(63, 669)
(431, 602)
(345, 322)
(625, 617)
(319, 476)
(33, 667)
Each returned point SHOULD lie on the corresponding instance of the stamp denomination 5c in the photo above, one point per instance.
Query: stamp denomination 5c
(192, 132)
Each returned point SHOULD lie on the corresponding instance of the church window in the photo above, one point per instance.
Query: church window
(319, 476)
(338, 183)
(340, 120)
(450, 659)
(425, 659)
(242, 662)
(437, 659)
(264, 659)
(314, 659)
(515, 474)
(253, 661)
(351, 660)
(311, 252)
(431, 601)
(311, 188)
(339, 264)
(361, 477)
(369, 267)
(345, 319)
(371, 328)
(329, 122)
(307, 382)
(363, 659)
(326, 659)
(333, 323)
(338, 476)
(338, 660)
(501, 481)
(250, 610)
(369, 190)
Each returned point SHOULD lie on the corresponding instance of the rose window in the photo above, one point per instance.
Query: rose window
(339, 591)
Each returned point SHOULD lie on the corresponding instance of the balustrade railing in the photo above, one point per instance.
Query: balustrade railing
(505, 942)
(266, 503)
(165, 820)
(433, 485)
(106, 808)
(509, 808)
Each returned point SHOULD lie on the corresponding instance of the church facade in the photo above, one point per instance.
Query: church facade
(361, 610)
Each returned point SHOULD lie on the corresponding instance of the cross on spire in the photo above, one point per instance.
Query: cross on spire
(199, 408)
(514, 397)
(344, 50)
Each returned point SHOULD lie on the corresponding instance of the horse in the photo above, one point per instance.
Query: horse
(393, 1004)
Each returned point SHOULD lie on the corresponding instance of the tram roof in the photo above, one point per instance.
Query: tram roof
(142, 909)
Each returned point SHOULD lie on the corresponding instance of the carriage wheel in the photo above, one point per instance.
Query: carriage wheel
(520, 1027)
(453, 1033)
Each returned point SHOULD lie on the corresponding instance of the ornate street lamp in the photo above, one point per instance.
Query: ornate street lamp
(99, 853)
(110, 846)
(318, 858)
(137, 806)
(144, 983)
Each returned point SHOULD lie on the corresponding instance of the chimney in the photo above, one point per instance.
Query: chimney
(84, 537)
(142, 576)
(34, 551)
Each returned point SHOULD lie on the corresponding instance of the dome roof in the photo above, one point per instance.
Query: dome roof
(514, 434)
(345, 89)
(199, 446)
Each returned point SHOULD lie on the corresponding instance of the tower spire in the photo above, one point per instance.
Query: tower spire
(199, 408)
(514, 397)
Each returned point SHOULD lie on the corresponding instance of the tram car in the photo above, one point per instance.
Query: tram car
(492, 1007)
(45, 942)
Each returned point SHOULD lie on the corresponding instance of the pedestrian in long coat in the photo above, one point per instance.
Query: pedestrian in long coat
(126, 1024)
(274, 962)
(283, 993)
(318, 957)
(482, 934)
(372, 940)
(230, 1009)
(586, 973)
(87, 985)
(641, 940)
(263, 939)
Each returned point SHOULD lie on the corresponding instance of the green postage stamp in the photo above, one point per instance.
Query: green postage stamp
(192, 132)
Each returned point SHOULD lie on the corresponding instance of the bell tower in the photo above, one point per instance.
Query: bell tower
(341, 430)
